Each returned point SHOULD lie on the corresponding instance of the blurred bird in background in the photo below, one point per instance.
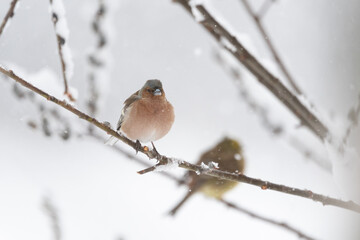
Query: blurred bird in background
(228, 154)
(146, 116)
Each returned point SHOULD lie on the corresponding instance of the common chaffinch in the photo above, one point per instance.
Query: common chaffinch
(229, 157)
(147, 115)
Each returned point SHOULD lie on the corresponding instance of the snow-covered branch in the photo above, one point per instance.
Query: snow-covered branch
(274, 128)
(50, 120)
(271, 47)
(62, 35)
(10, 14)
(153, 154)
(94, 58)
(234, 47)
(100, 56)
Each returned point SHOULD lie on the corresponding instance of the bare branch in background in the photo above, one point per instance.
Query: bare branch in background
(266, 37)
(52, 213)
(231, 44)
(93, 59)
(274, 128)
(61, 30)
(44, 122)
(265, 219)
(353, 116)
(265, 8)
(48, 116)
(309, 154)
(10, 14)
(163, 160)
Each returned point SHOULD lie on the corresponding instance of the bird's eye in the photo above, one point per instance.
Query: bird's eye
(149, 90)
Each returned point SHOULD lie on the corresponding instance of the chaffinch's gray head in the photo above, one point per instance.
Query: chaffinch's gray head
(152, 88)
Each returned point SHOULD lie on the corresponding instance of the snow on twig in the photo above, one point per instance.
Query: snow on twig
(275, 128)
(58, 17)
(100, 57)
(50, 121)
(218, 31)
(271, 46)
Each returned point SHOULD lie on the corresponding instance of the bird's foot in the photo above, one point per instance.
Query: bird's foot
(157, 154)
(137, 146)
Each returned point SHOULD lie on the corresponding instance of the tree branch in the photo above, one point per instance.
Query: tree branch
(265, 219)
(163, 160)
(353, 117)
(94, 60)
(259, 71)
(271, 47)
(276, 129)
(61, 41)
(47, 114)
(265, 8)
(51, 211)
(8, 15)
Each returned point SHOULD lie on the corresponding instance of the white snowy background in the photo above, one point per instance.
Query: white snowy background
(97, 192)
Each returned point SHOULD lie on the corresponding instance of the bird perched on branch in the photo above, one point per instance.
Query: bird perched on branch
(229, 157)
(146, 116)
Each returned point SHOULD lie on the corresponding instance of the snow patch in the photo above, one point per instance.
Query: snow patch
(61, 28)
(172, 164)
(226, 43)
(199, 17)
(237, 157)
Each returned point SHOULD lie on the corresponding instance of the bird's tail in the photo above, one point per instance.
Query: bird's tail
(111, 141)
(176, 208)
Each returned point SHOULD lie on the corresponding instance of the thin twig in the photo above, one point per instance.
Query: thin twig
(46, 114)
(271, 47)
(234, 72)
(309, 154)
(10, 14)
(276, 129)
(61, 41)
(353, 116)
(265, 219)
(152, 154)
(51, 211)
(258, 70)
(265, 8)
(93, 59)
